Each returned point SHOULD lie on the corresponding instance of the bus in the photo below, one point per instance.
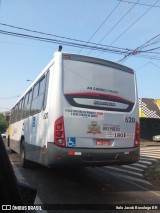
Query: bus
(79, 111)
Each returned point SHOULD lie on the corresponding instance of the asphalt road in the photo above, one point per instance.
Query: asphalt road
(86, 186)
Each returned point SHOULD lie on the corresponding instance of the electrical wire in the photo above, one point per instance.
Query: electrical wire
(99, 47)
(148, 43)
(134, 23)
(152, 41)
(141, 4)
(74, 44)
(12, 97)
(125, 52)
(114, 26)
(57, 36)
(149, 50)
(155, 65)
(39, 32)
(136, 50)
(101, 24)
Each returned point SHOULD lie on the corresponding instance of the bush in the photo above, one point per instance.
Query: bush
(3, 123)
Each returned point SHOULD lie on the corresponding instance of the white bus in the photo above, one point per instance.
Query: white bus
(80, 111)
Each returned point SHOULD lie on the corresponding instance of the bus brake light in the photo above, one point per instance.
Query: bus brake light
(137, 135)
(59, 134)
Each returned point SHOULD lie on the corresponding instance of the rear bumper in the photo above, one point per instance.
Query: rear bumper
(89, 157)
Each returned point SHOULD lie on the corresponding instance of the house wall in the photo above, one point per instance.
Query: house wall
(149, 113)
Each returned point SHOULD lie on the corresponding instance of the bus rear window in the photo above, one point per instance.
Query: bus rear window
(95, 86)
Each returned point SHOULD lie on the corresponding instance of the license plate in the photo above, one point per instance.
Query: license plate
(103, 142)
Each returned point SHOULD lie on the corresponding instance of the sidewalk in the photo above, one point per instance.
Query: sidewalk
(149, 143)
(152, 172)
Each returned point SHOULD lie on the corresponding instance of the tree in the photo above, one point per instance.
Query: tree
(3, 123)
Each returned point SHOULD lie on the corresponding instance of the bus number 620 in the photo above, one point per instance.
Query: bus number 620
(130, 120)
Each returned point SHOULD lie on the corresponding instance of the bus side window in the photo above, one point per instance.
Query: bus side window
(12, 116)
(22, 107)
(15, 113)
(20, 110)
(46, 91)
(29, 103)
(25, 106)
(38, 95)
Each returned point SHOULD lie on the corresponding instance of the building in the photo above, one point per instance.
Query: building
(149, 113)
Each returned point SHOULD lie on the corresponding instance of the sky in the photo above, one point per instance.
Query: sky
(131, 26)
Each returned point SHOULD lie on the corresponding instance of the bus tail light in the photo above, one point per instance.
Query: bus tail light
(59, 134)
(137, 135)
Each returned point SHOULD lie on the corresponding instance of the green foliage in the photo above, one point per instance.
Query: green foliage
(3, 123)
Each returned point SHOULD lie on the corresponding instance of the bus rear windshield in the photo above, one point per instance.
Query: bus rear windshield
(96, 86)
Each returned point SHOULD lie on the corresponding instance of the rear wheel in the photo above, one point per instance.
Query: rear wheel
(9, 146)
(8, 141)
(24, 162)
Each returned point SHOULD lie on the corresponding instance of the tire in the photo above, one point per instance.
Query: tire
(9, 145)
(8, 141)
(24, 162)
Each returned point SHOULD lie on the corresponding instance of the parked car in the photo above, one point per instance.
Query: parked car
(156, 138)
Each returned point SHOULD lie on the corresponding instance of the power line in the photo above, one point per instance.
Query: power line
(115, 25)
(4, 108)
(149, 62)
(39, 32)
(74, 44)
(134, 51)
(147, 43)
(141, 4)
(134, 22)
(12, 97)
(125, 57)
(57, 36)
(152, 43)
(155, 65)
(149, 50)
(102, 24)
(98, 47)
(144, 65)
(103, 48)
(142, 56)
(148, 57)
